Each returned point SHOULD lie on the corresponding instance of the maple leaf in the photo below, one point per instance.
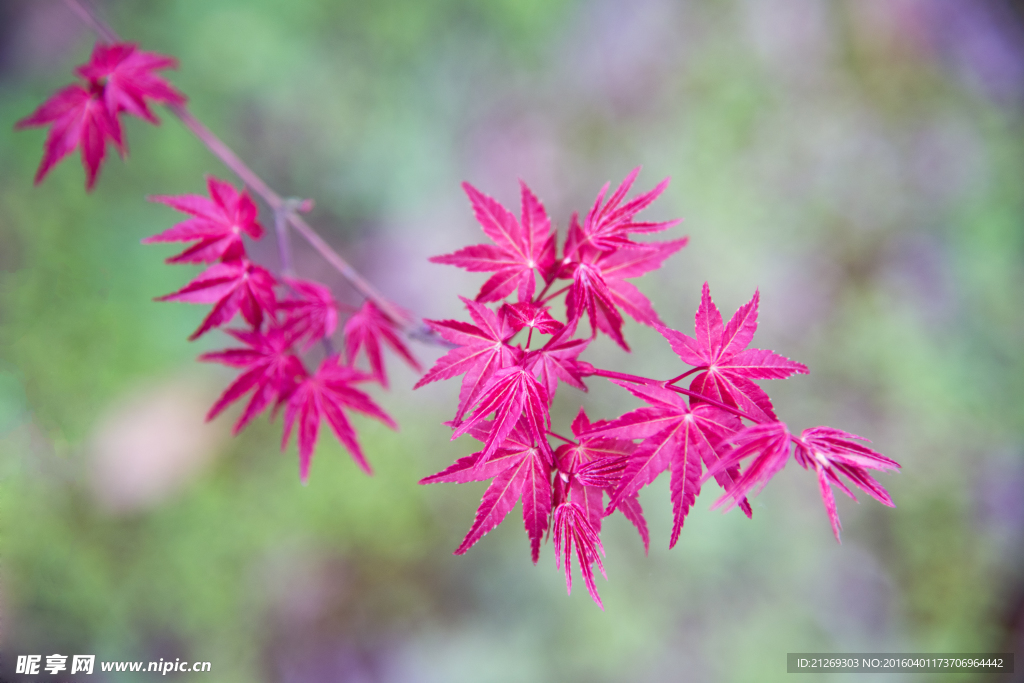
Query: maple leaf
(324, 395)
(117, 78)
(729, 366)
(831, 452)
(271, 370)
(367, 329)
(676, 436)
(234, 286)
(591, 467)
(79, 118)
(607, 226)
(535, 317)
(511, 393)
(520, 469)
(632, 262)
(469, 468)
(599, 286)
(481, 351)
(311, 314)
(126, 74)
(573, 529)
(217, 223)
(519, 248)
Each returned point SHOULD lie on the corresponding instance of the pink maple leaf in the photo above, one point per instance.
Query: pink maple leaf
(607, 226)
(573, 529)
(592, 467)
(520, 468)
(511, 393)
(366, 330)
(729, 366)
(599, 286)
(481, 350)
(832, 452)
(272, 370)
(118, 78)
(519, 249)
(677, 437)
(590, 295)
(235, 286)
(632, 262)
(470, 468)
(79, 118)
(216, 225)
(324, 395)
(535, 317)
(126, 73)
(311, 313)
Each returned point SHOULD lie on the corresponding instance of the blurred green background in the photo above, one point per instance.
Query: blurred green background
(859, 161)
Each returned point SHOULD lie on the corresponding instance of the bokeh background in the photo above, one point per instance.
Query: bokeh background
(860, 161)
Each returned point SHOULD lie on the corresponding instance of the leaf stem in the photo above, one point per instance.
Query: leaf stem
(636, 379)
(685, 374)
(559, 436)
(553, 295)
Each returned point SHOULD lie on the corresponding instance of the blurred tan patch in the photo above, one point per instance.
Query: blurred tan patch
(152, 444)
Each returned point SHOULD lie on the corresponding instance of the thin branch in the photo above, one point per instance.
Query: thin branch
(636, 379)
(685, 374)
(92, 19)
(253, 181)
(559, 436)
(284, 247)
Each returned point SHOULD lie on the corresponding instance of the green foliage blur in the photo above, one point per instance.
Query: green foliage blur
(859, 161)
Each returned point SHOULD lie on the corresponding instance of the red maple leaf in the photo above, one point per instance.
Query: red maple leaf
(79, 118)
(829, 452)
(832, 452)
(519, 249)
(470, 468)
(592, 467)
(126, 74)
(677, 437)
(632, 262)
(607, 226)
(232, 287)
(481, 350)
(520, 469)
(324, 395)
(729, 366)
(573, 529)
(510, 394)
(366, 330)
(590, 295)
(118, 78)
(217, 223)
(312, 313)
(600, 290)
(271, 369)
(526, 314)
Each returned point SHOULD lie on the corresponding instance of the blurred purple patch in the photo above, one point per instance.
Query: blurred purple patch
(982, 42)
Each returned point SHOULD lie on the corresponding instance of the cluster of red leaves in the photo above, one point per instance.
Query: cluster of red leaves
(278, 327)
(695, 433)
(118, 79)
